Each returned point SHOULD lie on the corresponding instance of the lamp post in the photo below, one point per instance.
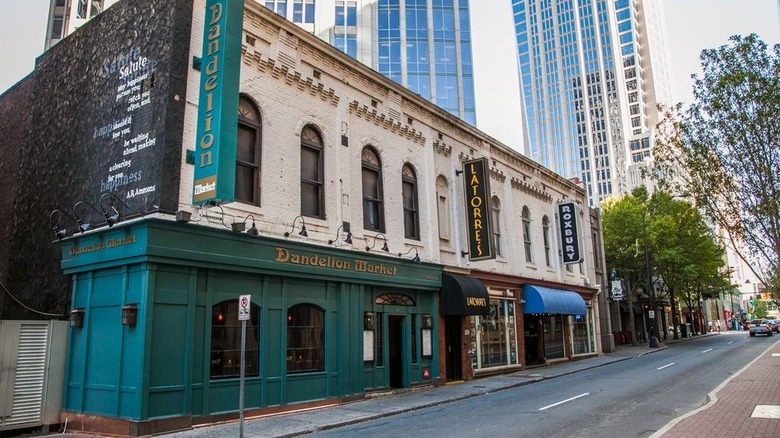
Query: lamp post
(652, 340)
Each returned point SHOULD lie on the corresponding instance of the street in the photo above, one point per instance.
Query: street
(632, 398)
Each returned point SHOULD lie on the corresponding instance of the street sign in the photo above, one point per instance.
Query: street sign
(651, 314)
(244, 302)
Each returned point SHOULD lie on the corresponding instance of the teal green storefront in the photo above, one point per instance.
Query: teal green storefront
(153, 345)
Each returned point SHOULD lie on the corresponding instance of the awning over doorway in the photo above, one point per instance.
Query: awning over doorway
(540, 299)
(463, 295)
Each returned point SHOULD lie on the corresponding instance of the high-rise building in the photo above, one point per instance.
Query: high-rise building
(591, 74)
(65, 16)
(424, 45)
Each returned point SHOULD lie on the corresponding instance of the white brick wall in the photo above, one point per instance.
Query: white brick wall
(340, 102)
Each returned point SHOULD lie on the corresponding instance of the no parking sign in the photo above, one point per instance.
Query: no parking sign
(244, 302)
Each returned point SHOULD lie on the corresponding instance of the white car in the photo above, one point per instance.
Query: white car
(760, 327)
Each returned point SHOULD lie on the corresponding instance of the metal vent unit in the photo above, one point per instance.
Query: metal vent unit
(32, 372)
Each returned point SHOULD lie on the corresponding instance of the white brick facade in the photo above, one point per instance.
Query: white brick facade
(278, 74)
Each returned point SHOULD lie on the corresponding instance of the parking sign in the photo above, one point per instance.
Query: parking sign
(244, 302)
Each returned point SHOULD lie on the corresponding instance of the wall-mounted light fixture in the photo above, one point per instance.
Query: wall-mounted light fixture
(112, 214)
(345, 227)
(415, 259)
(427, 321)
(303, 231)
(384, 247)
(239, 227)
(368, 321)
(77, 317)
(59, 231)
(129, 315)
(83, 226)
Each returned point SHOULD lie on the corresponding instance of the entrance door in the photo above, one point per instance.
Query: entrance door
(534, 344)
(396, 341)
(452, 339)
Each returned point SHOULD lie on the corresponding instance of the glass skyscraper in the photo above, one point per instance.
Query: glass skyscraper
(425, 45)
(581, 63)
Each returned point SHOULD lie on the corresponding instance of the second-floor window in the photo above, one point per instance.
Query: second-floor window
(495, 217)
(411, 212)
(248, 152)
(373, 208)
(312, 188)
(527, 235)
(546, 236)
(443, 207)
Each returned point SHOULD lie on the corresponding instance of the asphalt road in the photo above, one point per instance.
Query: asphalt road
(632, 398)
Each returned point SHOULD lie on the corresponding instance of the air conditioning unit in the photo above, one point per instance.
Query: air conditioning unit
(32, 373)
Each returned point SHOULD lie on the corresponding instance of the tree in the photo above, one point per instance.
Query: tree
(682, 251)
(621, 220)
(724, 150)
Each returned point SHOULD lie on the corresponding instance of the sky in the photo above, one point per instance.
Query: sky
(691, 26)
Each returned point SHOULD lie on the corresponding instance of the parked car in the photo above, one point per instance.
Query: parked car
(760, 327)
(775, 324)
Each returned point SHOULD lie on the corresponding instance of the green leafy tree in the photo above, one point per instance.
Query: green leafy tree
(760, 310)
(724, 150)
(621, 220)
(684, 256)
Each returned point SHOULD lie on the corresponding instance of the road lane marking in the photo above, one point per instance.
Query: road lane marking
(666, 366)
(564, 401)
(707, 350)
(730, 342)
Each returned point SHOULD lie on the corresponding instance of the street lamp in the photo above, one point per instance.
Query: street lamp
(652, 340)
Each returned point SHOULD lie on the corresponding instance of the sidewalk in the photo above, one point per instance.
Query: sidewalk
(728, 413)
(745, 405)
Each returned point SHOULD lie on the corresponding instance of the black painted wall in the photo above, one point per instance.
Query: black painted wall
(106, 114)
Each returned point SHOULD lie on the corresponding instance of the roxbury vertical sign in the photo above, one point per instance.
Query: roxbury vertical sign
(570, 232)
(477, 188)
(215, 148)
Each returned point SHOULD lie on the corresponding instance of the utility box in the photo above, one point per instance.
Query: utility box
(32, 373)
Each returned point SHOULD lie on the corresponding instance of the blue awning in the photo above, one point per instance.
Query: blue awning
(540, 299)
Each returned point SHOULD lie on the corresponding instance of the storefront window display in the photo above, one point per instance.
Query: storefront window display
(583, 339)
(495, 336)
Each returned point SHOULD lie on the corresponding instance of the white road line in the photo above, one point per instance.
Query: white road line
(730, 342)
(564, 401)
(707, 350)
(666, 366)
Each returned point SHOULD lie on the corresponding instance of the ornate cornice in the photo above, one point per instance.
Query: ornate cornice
(381, 119)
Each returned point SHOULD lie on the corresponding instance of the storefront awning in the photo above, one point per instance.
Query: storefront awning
(540, 299)
(462, 295)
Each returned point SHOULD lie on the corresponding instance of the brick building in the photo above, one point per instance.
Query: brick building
(348, 217)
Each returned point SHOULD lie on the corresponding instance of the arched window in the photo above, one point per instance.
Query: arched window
(495, 213)
(226, 341)
(305, 338)
(527, 235)
(312, 187)
(546, 234)
(248, 152)
(373, 208)
(411, 209)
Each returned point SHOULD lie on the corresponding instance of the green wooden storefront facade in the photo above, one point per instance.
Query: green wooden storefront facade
(175, 273)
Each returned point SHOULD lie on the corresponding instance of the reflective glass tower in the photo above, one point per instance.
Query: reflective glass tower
(425, 45)
(581, 63)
